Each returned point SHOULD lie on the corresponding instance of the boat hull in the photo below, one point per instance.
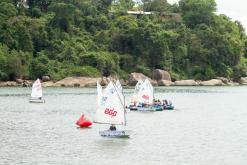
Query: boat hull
(132, 108)
(168, 107)
(146, 109)
(36, 100)
(115, 134)
(151, 108)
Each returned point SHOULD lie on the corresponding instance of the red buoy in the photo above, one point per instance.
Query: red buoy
(84, 121)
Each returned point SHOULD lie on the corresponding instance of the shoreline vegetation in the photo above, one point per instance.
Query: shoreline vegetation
(70, 41)
(159, 78)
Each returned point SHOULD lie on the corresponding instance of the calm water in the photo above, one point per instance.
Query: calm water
(208, 127)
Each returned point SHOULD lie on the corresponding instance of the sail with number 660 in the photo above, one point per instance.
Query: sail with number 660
(111, 108)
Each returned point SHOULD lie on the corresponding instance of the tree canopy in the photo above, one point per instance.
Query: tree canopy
(98, 37)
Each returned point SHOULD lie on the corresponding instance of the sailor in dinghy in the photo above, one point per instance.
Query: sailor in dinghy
(36, 95)
(111, 110)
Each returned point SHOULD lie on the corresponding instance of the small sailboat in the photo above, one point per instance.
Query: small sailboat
(134, 98)
(137, 89)
(146, 93)
(111, 110)
(36, 95)
(143, 97)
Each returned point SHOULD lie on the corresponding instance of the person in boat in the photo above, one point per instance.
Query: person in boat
(165, 102)
(112, 128)
(134, 103)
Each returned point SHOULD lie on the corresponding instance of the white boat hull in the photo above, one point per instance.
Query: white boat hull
(146, 109)
(115, 134)
(36, 100)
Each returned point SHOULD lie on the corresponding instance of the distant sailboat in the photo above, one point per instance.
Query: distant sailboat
(36, 95)
(111, 110)
(143, 97)
(137, 89)
(146, 93)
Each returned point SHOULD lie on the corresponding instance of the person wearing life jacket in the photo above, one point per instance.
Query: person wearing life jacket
(112, 128)
(165, 102)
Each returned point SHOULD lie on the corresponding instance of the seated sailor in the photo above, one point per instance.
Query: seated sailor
(112, 128)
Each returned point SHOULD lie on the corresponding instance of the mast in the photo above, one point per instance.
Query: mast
(125, 120)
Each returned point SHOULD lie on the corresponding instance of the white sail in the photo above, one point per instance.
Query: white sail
(120, 89)
(145, 94)
(36, 89)
(137, 89)
(119, 86)
(111, 109)
(99, 91)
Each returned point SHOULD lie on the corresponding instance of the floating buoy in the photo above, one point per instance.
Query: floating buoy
(84, 121)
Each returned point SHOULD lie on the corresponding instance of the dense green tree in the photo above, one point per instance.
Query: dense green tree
(195, 12)
(64, 16)
(7, 10)
(42, 4)
(155, 5)
(98, 37)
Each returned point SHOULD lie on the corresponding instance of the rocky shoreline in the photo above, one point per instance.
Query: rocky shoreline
(159, 78)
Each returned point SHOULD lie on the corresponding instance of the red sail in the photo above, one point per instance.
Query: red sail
(84, 121)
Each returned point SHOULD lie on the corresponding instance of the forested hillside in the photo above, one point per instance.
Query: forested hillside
(63, 38)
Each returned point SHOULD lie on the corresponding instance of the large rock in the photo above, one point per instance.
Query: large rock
(46, 78)
(123, 82)
(185, 83)
(231, 83)
(224, 80)
(77, 81)
(48, 84)
(8, 83)
(243, 81)
(159, 74)
(19, 81)
(134, 77)
(213, 82)
(165, 83)
(27, 83)
(106, 80)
